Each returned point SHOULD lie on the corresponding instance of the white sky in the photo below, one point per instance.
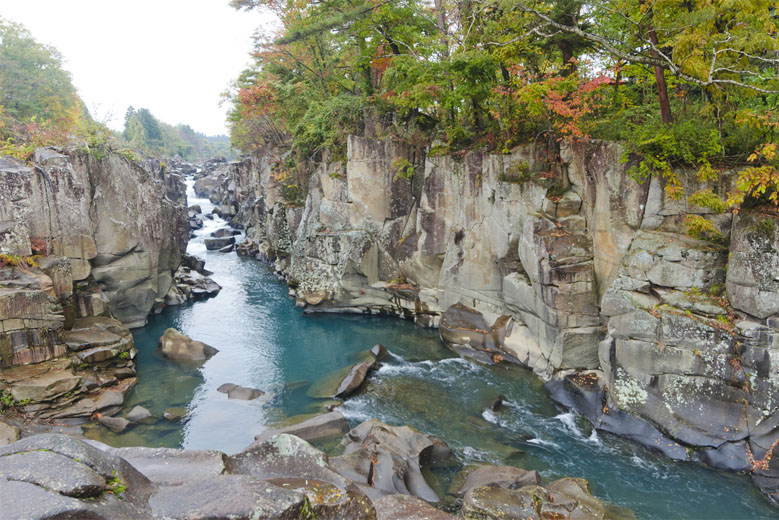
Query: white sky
(173, 57)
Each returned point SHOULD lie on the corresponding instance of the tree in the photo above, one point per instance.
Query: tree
(33, 85)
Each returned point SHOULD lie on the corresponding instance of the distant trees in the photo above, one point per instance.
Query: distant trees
(38, 102)
(145, 133)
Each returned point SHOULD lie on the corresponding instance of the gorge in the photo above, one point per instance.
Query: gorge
(335, 264)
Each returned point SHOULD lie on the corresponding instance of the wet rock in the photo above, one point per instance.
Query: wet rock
(353, 380)
(241, 393)
(140, 414)
(494, 404)
(176, 346)
(404, 507)
(322, 426)
(228, 249)
(225, 232)
(115, 424)
(379, 352)
(8, 433)
(213, 244)
(175, 414)
(226, 496)
(196, 208)
(502, 476)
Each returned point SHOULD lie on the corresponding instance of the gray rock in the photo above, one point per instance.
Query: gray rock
(175, 414)
(175, 345)
(54, 472)
(387, 458)
(225, 232)
(139, 414)
(322, 426)
(227, 249)
(116, 424)
(25, 500)
(502, 476)
(172, 467)
(75, 454)
(227, 496)
(241, 393)
(404, 507)
(353, 380)
(213, 244)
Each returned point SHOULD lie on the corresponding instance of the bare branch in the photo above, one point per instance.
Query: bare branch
(664, 61)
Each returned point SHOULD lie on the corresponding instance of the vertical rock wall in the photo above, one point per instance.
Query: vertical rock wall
(572, 269)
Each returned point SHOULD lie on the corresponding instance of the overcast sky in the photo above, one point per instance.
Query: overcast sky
(173, 57)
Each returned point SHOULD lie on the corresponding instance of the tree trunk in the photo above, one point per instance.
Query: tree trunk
(662, 87)
(569, 67)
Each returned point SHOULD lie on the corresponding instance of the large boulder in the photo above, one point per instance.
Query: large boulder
(387, 459)
(178, 347)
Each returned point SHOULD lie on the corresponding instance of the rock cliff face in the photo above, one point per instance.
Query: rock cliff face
(110, 218)
(572, 269)
(106, 240)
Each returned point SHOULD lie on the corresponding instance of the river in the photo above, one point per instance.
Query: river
(265, 342)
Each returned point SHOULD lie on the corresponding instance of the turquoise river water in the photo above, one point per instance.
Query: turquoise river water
(265, 342)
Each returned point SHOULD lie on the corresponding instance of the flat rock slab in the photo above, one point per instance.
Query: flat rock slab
(81, 339)
(54, 472)
(171, 466)
(502, 476)
(405, 507)
(227, 496)
(109, 399)
(323, 426)
(24, 500)
(46, 386)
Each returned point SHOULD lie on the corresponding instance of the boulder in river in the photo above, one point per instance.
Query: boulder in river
(228, 249)
(225, 232)
(238, 392)
(175, 414)
(140, 414)
(213, 244)
(115, 424)
(175, 345)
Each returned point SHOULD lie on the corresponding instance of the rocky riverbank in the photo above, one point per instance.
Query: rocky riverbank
(572, 269)
(378, 477)
(91, 245)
